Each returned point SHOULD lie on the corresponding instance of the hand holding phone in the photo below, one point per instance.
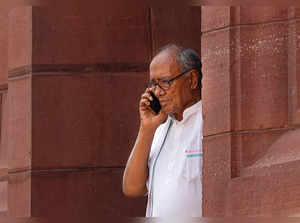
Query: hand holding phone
(154, 104)
(151, 112)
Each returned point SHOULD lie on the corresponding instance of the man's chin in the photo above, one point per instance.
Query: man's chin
(167, 111)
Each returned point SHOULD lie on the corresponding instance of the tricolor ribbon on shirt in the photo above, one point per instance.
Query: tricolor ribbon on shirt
(193, 152)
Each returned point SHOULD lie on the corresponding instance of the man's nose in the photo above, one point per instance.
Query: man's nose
(158, 90)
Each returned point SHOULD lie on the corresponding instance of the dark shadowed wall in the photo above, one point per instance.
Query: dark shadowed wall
(71, 78)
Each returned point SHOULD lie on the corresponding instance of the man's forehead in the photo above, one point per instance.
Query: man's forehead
(166, 57)
(163, 66)
(161, 72)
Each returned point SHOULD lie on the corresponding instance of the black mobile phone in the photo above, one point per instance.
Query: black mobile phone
(155, 105)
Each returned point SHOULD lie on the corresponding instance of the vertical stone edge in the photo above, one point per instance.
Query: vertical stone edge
(217, 162)
(19, 182)
(292, 69)
(216, 174)
(3, 115)
(3, 165)
(33, 29)
(235, 91)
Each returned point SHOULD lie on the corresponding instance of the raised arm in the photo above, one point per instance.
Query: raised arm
(136, 171)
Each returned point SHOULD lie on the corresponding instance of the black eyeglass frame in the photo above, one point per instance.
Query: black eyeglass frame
(168, 81)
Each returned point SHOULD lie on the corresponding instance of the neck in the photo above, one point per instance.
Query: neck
(195, 98)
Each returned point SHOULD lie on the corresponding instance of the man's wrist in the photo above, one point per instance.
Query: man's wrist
(147, 128)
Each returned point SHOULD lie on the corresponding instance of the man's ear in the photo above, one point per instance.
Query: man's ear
(194, 79)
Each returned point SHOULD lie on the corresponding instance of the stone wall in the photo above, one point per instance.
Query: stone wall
(251, 108)
(71, 80)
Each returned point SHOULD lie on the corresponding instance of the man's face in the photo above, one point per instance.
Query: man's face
(178, 96)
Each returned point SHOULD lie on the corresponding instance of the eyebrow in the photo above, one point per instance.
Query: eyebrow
(164, 77)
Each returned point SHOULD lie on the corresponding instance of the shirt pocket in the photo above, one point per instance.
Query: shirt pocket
(193, 166)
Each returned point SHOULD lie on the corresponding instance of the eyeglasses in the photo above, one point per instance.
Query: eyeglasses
(165, 84)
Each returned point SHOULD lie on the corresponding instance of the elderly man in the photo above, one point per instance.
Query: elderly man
(166, 161)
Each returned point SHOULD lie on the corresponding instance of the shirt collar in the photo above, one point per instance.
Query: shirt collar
(189, 111)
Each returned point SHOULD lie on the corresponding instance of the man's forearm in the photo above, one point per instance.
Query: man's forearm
(136, 171)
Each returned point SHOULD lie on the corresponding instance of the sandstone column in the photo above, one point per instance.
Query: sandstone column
(75, 76)
(251, 110)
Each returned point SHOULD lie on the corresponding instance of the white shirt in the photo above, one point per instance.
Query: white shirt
(175, 167)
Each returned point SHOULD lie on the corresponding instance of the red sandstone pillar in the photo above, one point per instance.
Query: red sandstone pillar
(75, 78)
(251, 110)
(19, 108)
(3, 110)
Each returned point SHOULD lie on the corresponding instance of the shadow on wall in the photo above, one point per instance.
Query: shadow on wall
(285, 150)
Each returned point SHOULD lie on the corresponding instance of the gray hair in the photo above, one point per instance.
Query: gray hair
(187, 59)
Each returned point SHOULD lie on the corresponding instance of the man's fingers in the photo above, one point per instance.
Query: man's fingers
(145, 106)
(148, 90)
(147, 96)
(144, 101)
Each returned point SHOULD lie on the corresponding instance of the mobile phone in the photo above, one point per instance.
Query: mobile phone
(154, 104)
